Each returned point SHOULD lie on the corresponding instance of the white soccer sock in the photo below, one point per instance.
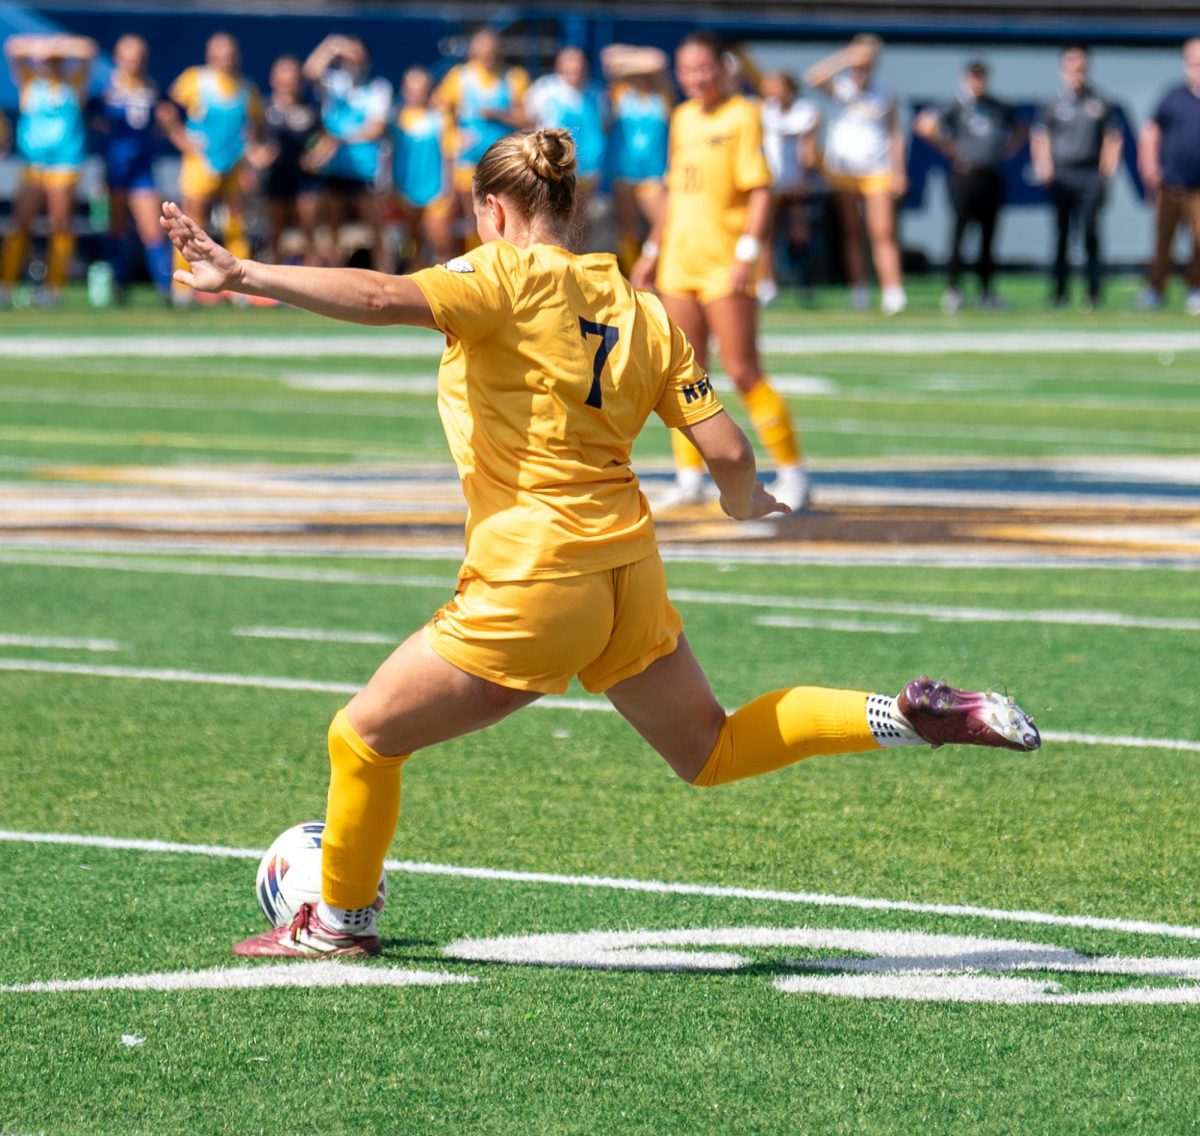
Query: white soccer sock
(689, 480)
(347, 921)
(887, 725)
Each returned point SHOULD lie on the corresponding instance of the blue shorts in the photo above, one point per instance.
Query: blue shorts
(130, 174)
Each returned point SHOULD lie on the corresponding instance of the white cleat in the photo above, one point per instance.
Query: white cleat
(791, 488)
(680, 496)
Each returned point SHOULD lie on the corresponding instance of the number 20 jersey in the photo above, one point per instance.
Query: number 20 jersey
(553, 363)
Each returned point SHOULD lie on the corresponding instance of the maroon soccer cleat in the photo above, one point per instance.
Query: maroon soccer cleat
(942, 715)
(307, 937)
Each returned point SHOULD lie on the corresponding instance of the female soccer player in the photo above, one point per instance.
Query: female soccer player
(223, 117)
(127, 121)
(864, 161)
(51, 72)
(553, 364)
(711, 234)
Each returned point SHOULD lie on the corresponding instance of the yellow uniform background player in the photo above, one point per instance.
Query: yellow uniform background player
(714, 161)
(542, 389)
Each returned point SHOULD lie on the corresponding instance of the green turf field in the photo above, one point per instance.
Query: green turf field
(167, 706)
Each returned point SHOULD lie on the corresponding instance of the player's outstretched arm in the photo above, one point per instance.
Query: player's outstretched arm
(730, 459)
(351, 294)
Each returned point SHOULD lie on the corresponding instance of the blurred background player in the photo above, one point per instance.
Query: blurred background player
(51, 73)
(355, 111)
(977, 133)
(640, 103)
(486, 101)
(705, 250)
(420, 171)
(1076, 147)
(568, 99)
(223, 117)
(292, 193)
(1169, 162)
(864, 162)
(790, 126)
(125, 117)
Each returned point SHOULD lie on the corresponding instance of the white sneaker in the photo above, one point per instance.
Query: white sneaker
(791, 488)
(893, 301)
(1147, 300)
(860, 298)
(767, 292)
(680, 496)
(1192, 304)
(952, 301)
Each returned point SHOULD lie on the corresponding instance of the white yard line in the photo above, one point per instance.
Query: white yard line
(56, 642)
(799, 623)
(658, 887)
(550, 702)
(313, 635)
(419, 346)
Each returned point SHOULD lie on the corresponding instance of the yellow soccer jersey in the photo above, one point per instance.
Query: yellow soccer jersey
(715, 159)
(553, 363)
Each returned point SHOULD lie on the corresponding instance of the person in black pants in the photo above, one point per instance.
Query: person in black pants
(977, 133)
(1076, 148)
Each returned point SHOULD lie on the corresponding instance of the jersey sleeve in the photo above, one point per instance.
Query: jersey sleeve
(518, 79)
(750, 163)
(470, 296)
(449, 90)
(185, 89)
(688, 396)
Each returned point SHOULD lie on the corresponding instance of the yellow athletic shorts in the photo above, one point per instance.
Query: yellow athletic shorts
(52, 177)
(714, 284)
(539, 634)
(198, 179)
(879, 182)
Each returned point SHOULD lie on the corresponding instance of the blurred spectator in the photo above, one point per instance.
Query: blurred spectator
(125, 118)
(355, 111)
(1076, 148)
(977, 133)
(486, 101)
(51, 73)
(292, 192)
(420, 173)
(1169, 162)
(223, 117)
(864, 162)
(790, 126)
(569, 99)
(640, 100)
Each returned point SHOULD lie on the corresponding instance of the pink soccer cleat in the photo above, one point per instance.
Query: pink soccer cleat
(942, 715)
(307, 937)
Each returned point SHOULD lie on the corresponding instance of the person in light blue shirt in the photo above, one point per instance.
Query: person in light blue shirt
(421, 171)
(568, 99)
(355, 109)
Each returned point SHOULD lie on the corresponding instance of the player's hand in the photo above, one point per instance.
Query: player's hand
(899, 184)
(642, 274)
(741, 276)
(213, 267)
(761, 504)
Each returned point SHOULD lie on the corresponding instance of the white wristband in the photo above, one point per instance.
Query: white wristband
(650, 250)
(748, 249)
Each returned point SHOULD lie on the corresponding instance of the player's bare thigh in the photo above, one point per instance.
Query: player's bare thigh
(734, 323)
(688, 314)
(417, 699)
(672, 706)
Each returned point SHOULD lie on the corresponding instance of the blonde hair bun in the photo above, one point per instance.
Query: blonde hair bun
(550, 153)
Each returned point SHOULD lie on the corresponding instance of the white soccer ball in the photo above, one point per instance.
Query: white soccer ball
(289, 874)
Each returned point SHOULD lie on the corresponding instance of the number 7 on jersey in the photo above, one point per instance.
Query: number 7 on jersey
(608, 340)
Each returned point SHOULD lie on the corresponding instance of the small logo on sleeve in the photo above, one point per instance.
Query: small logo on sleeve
(697, 390)
(457, 264)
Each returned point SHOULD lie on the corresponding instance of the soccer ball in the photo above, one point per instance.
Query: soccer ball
(289, 874)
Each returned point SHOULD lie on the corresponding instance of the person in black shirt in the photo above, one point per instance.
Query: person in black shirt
(1076, 149)
(291, 190)
(977, 133)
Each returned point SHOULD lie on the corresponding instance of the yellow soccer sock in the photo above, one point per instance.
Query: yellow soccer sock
(58, 259)
(360, 818)
(786, 726)
(12, 258)
(687, 457)
(235, 236)
(772, 423)
(628, 251)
